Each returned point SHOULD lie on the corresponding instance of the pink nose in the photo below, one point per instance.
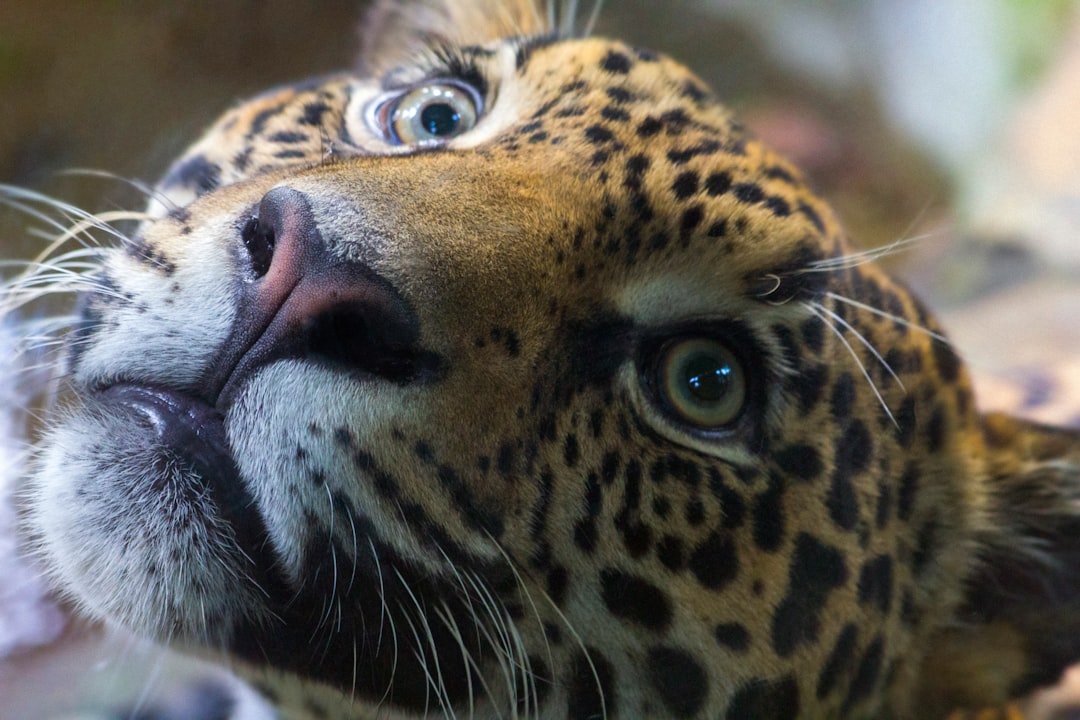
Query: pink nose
(300, 300)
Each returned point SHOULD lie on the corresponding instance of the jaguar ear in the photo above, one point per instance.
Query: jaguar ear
(394, 31)
(1018, 626)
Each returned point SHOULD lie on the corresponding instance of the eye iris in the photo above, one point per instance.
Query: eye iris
(427, 114)
(702, 383)
(440, 119)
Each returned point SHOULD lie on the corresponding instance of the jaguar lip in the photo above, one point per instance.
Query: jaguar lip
(178, 420)
(193, 432)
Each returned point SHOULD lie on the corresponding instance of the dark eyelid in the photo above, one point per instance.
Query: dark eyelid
(446, 62)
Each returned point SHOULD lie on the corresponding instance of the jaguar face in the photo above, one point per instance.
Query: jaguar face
(512, 376)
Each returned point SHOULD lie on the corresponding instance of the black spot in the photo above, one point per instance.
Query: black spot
(557, 581)
(679, 678)
(504, 459)
(876, 583)
(313, 113)
(633, 484)
(718, 229)
(598, 134)
(695, 512)
(670, 552)
(258, 123)
(866, 676)
(693, 91)
(718, 183)
(808, 386)
(197, 173)
(936, 430)
(424, 452)
(681, 157)
(778, 206)
(571, 452)
(749, 193)
(853, 452)
(290, 154)
(905, 496)
(685, 185)
(675, 121)
(946, 361)
(609, 468)
(768, 516)
(288, 137)
(590, 687)
(637, 537)
(616, 62)
(766, 700)
(732, 636)
(840, 660)
(926, 543)
(241, 159)
(629, 597)
(802, 462)
(650, 126)
(856, 447)
(615, 114)
(620, 95)
(690, 220)
(775, 172)
(906, 422)
(842, 504)
(816, 570)
(732, 505)
(714, 562)
(813, 334)
(842, 398)
(812, 215)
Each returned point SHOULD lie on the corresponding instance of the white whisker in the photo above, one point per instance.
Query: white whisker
(866, 374)
(889, 316)
(862, 339)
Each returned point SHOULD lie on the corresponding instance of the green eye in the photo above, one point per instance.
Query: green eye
(702, 382)
(427, 114)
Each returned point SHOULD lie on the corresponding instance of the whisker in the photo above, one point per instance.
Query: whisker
(862, 339)
(147, 191)
(889, 316)
(858, 361)
(594, 17)
(855, 259)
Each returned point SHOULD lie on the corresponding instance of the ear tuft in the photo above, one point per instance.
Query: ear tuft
(395, 31)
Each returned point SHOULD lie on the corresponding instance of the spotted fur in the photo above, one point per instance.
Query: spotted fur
(380, 422)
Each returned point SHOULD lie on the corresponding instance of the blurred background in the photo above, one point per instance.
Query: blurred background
(955, 123)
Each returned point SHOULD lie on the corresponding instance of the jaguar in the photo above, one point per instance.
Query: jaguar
(507, 374)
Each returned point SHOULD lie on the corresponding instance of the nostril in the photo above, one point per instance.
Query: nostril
(259, 240)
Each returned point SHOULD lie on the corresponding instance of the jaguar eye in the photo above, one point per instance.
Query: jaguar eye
(701, 382)
(428, 114)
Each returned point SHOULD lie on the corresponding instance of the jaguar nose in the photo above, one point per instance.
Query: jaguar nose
(303, 300)
(283, 220)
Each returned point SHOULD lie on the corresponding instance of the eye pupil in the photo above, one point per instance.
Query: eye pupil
(707, 378)
(440, 119)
